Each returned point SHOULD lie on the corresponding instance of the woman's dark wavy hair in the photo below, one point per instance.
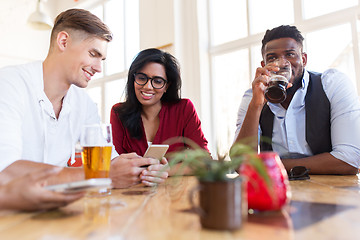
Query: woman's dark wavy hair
(129, 112)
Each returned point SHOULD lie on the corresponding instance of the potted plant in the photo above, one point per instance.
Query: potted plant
(222, 199)
(222, 202)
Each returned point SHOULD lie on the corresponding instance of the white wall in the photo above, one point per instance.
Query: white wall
(156, 23)
(18, 42)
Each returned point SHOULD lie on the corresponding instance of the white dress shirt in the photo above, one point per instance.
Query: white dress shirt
(29, 129)
(289, 125)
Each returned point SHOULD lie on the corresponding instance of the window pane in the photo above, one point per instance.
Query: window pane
(114, 93)
(132, 32)
(230, 81)
(256, 59)
(114, 11)
(99, 74)
(358, 34)
(265, 14)
(98, 11)
(95, 94)
(320, 7)
(331, 48)
(225, 14)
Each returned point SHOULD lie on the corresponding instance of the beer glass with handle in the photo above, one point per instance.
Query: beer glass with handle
(96, 141)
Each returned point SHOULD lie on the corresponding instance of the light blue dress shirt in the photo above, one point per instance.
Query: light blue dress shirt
(289, 125)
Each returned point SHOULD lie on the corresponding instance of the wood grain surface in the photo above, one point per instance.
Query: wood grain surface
(324, 207)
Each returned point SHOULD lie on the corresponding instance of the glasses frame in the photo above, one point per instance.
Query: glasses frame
(149, 78)
(299, 173)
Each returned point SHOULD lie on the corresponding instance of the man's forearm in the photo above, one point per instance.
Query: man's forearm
(249, 130)
(3, 198)
(22, 167)
(323, 163)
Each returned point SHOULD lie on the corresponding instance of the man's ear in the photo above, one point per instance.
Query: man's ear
(304, 58)
(62, 40)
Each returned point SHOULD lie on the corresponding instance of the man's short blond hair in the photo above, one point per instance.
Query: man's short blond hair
(82, 21)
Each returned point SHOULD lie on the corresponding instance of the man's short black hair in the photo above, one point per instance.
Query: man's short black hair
(283, 31)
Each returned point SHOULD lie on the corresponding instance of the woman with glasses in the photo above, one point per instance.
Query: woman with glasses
(153, 111)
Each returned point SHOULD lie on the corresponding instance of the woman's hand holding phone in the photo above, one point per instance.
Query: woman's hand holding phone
(155, 174)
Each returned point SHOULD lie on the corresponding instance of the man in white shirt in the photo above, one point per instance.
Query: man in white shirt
(318, 124)
(42, 106)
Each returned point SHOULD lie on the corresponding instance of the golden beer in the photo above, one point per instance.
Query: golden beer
(96, 161)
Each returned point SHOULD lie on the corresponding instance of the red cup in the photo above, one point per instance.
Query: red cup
(261, 195)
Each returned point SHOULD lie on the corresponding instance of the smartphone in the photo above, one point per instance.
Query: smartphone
(81, 186)
(156, 151)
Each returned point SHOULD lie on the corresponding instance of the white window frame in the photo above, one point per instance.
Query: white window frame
(106, 78)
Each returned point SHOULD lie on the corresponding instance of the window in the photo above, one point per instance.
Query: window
(115, 59)
(265, 14)
(228, 20)
(230, 77)
(122, 17)
(320, 7)
(256, 59)
(331, 48)
(115, 92)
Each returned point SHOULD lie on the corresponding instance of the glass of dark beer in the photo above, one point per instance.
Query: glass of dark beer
(276, 90)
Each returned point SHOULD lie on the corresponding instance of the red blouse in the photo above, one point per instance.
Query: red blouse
(176, 119)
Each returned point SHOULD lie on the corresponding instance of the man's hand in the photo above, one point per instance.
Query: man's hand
(125, 169)
(155, 174)
(259, 85)
(27, 192)
(261, 82)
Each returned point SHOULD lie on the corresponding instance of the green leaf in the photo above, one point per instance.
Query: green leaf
(207, 169)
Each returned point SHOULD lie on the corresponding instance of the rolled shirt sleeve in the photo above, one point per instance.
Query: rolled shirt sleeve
(245, 101)
(345, 116)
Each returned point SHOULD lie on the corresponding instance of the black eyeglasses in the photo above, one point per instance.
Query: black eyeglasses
(156, 82)
(299, 173)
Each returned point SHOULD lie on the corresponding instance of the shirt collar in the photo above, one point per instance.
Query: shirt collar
(42, 97)
(298, 100)
(305, 80)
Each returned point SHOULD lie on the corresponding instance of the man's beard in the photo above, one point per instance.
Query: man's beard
(296, 84)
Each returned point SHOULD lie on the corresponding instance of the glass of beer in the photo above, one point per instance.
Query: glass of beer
(276, 90)
(96, 142)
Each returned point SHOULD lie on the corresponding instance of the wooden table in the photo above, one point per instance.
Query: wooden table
(324, 207)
